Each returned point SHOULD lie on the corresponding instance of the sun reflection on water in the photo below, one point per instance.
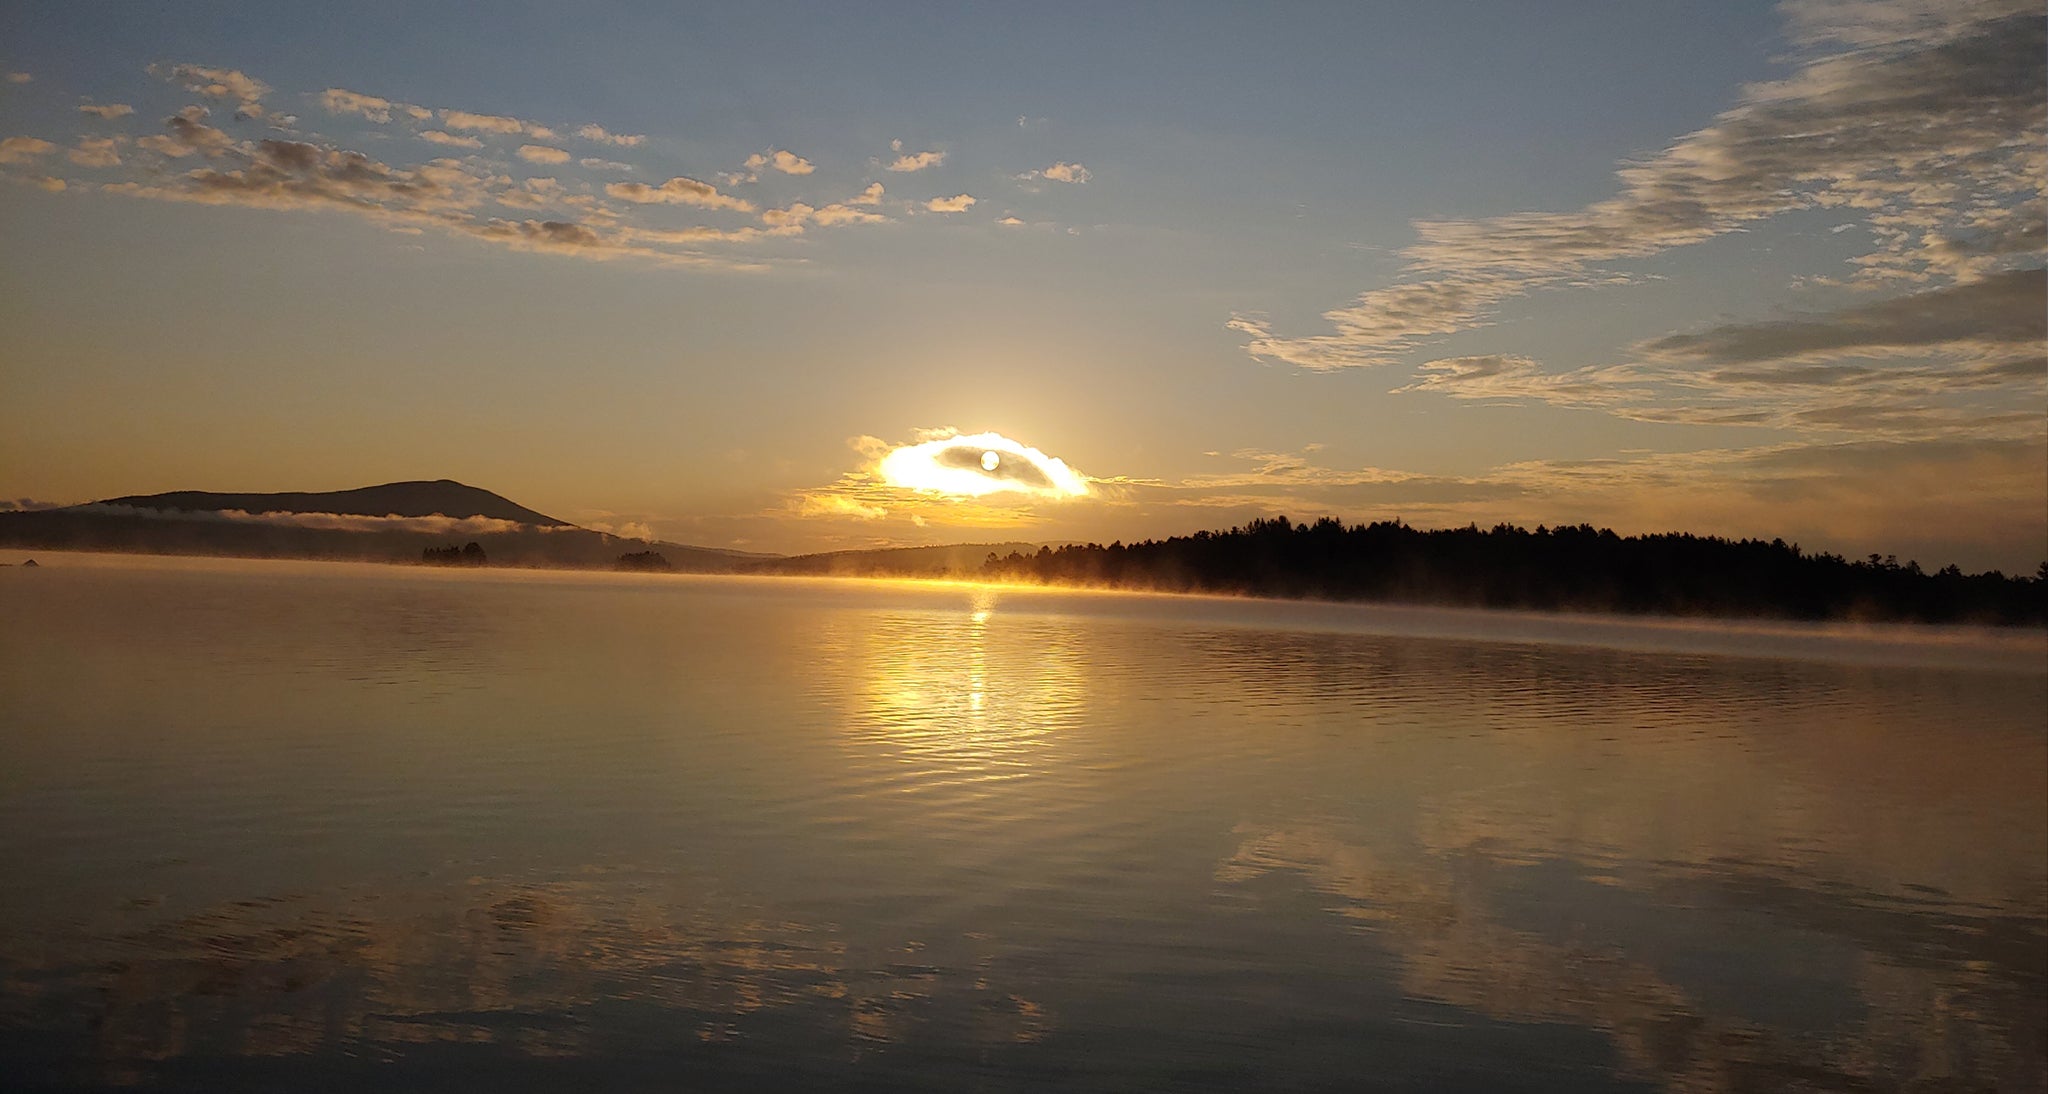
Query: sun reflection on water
(961, 695)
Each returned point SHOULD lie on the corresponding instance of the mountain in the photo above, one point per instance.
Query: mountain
(441, 497)
(394, 522)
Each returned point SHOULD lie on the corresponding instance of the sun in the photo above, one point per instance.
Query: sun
(978, 465)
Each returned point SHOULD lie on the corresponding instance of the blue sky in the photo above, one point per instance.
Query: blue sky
(1743, 269)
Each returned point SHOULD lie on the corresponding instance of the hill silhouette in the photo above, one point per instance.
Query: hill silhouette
(393, 522)
(1570, 569)
(417, 498)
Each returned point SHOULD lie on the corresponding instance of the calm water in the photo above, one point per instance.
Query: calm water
(303, 826)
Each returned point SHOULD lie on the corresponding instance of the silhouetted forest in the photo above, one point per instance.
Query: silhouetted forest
(1550, 569)
(470, 554)
(643, 560)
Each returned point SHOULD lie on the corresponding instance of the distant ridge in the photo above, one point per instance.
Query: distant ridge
(417, 498)
(393, 522)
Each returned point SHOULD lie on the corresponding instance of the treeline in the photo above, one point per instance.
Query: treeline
(1550, 569)
(469, 554)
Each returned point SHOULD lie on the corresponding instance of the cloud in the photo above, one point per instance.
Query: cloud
(436, 136)
(2004, 309)
(945, 479)
(1061, 172)
(789, 163)
(792, 217)
(870, 196)
(218, 83)
(958, 203)
(1942, 361)
(19, 77)
(53, 185)
(595, 164)
(1498, 376)
(839, 505)
(540, 153)
(1929, 129)
(836, 214)
(914, 161)
(1010, 222)
(494, 123)
(188, 134)
(339, 101)
(601, 135)
(23, 149)
(678, 191)
(106, 111)
(1382, 324)
(978, 465)
(95, 152)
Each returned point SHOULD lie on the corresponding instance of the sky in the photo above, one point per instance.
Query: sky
(1738, 268)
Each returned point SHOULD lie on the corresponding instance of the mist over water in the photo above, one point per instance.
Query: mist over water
(317, 826)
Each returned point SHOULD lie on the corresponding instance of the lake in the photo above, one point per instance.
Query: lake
(274, 825)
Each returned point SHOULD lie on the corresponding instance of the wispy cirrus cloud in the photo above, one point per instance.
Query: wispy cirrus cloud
(106, 111)
(1943, 361)
(1924, 120)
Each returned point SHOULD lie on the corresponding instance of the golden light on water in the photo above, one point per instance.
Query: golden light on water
(980, 464)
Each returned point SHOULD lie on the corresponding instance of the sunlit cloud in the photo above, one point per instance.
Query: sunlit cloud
(106, 111)
(188, 134)
(23, 149)
(594, 163)
(1061, 172)
(870, 196)
(958, 203)
(977, 465)
(19, 77)
(678, 191)
(494, 123)
(913, 161)
(340, 101)
(540, 153)
(95, 152)
(789, 163)
(602, 135)
(436, 136)
(246, 91)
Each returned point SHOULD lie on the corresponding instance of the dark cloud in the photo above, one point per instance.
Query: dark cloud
(2004, 309)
